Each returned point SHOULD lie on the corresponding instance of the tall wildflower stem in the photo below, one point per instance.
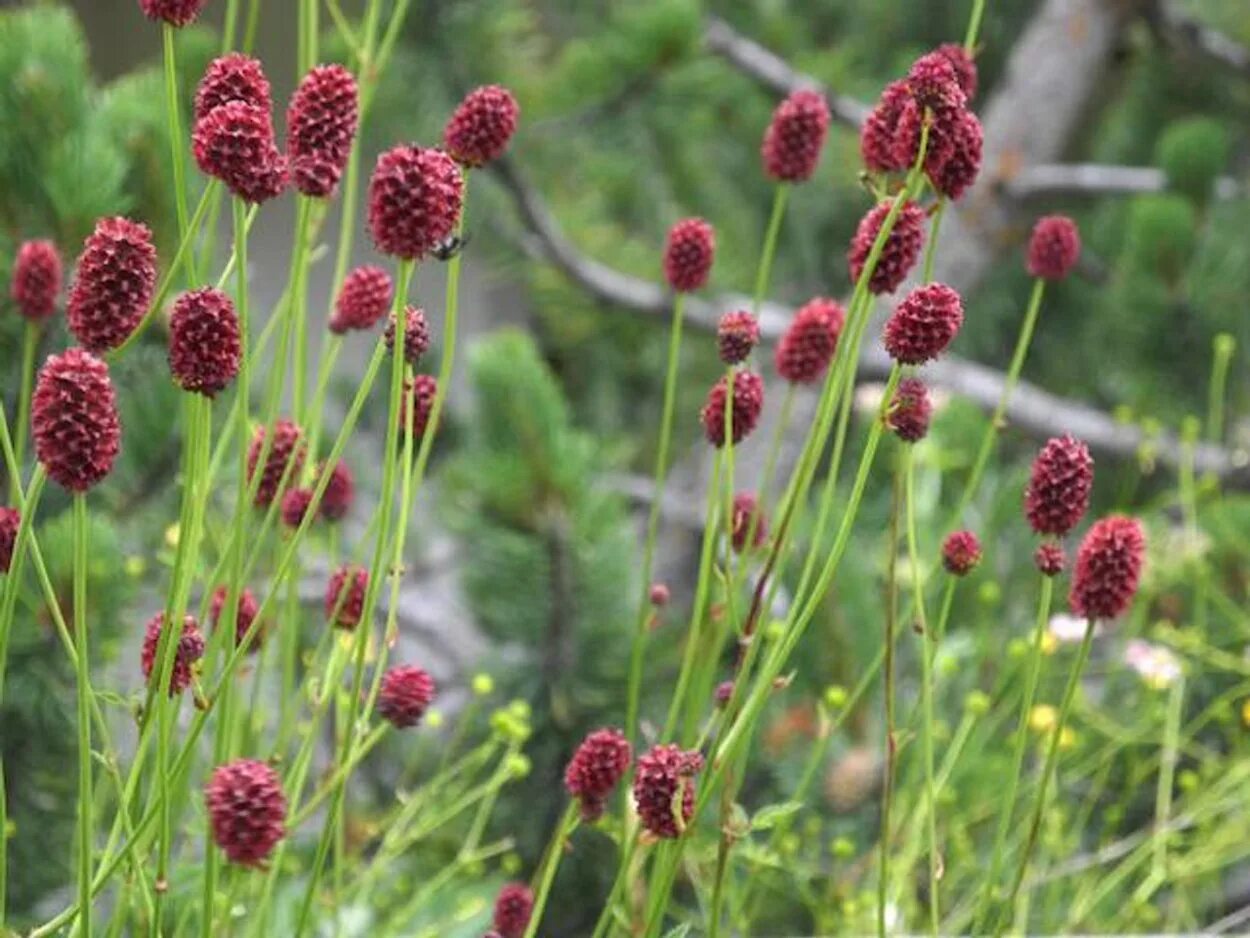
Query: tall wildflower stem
(1019, 748)
(1048, 769)
(551, 863)
(974, 25)
(86, 803)
(176, 143)
(764, 272)
(638, 648)
(887, 687)
(1224, 347)
(30, 343)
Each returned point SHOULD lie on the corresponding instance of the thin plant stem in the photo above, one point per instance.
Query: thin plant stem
(30, 344)
(891, 618)
(176, 143)
(930, 251)
(764, 272)
(86, 803)
(1167, 773)
(974, 25)
(551, 863)
(1224, 347)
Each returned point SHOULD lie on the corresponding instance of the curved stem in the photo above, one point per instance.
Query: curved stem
(551, 862)
(764, 271)
(30, 344)
(86, 802)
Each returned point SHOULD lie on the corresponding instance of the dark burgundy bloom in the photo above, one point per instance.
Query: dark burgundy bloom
(795, 136)
(414, 200)
(406, 693)
(748, 401)
(1049, 559)
(190, 650)
(747, 512)
(595, 770)
(235, 144)
(737, 334)
(659, 594)
(1060, 483)
(961, 552)
(724, 693)
(1108, 568)
(10, 522)
(245, 616)
(340, 492)
(810, 341)
(74, 419)
(173, 12)
(113, 284)
(513, 908)
(36, 281)
(419, 393)
(345, 612)
(233, 77)
(480, 129)
(660, 774)
(960, 171)
(247, 810)
(688, 254)
(924, 324)
(910, 411)
(363, 300)
(934, 82)
(295, 504)
(901, 249)
(287, 447)
(320, 127)
(416, 334)
(204, 341)
(940, 146)
(876, 136)
(965, 68)
(1054, 247)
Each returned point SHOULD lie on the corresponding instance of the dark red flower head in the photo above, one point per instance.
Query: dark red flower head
(747, 512)
(173, 12)
(924, 324)
(233, 77)
(659, 594)
(320, 127)
(246, 615)
(113, 284)
(1060, 483)
(190, 650)
(481, 127)
(406, 693)
(363, 300)
(595, 770)
(808, 345)
(737, 334)
(934, 82)
(10, 522)
(688, 254)
(414, 200)
(961, 552)
(660, 774)
(1108, 568)
(340, 492)
(204, 342)
(513, 908)
(74, 419)
(234, 143)
(795, 136)
(909, 131)
(294, 507)
(1054, 247)
(901, 249)
(965, 68)
(724, 693)
(961, 169)
(910, 411)
(345, 596)
(247, 810)
(1049, 559)
(419, 393)
(876, 136)
(748, 401)
(36, 279)
(416, 334)
(287, 447)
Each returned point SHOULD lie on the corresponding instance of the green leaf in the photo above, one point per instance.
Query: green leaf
(767, 817)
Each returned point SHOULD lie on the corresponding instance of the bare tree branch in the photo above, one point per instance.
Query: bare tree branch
(1176, 28)
(1056, 180)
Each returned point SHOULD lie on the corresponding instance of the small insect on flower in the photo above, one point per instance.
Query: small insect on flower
(450, 247)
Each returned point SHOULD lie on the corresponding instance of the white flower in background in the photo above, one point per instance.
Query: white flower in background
(1157, 666)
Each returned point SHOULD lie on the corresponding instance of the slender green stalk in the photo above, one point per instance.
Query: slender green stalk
(551, 862)
(1224, 347)
(176, 143)
(764, 272)
(891, 619)
(974, 25)
(1167, 773)
(1012, 780)
(30, 343)
(4, 847)
(86, 803)
(928, 648)
(930, 251)
(1052, 758)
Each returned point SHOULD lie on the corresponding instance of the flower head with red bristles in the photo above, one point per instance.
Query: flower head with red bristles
(345, 596)
(406, 693)
(808, 345)
(295, 505)
(114, 280)
(287, 448)
(190, 649)
(204, 342)
(417, 404)
(248, 608)
(796, 136)
(595, 770)
(747, 514)
(1108, 568)
(320, 128)
(36, 280)
(480, 129)
(877, 135)
(737, 334)
(340, 492)
(961, 552)
(234, 143)
(910, 411)
(1049, 559)
(934, 82)
(363, 300)
(10, 523)
(965, 68)
(900, 251)
(748, 401)
(661, 774)
(416, 334)
(1059, 488)
(513, 907)
(74, 419)
(414, 200)
(1054, 247)
(173, 12)
(246, 810)
(960, 170)
(233, 77)
(688, 254)
(923, 324)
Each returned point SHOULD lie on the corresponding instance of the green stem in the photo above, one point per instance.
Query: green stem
(930, 251)
(974, 25)
(1167, 772)
(30, 344)
(86, 802)
(551, 862)
(891, 618)
(764, 271)
(1225, 345)
(176, 142)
